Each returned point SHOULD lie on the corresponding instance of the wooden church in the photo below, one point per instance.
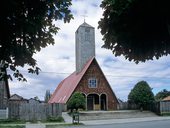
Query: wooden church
(88, 77)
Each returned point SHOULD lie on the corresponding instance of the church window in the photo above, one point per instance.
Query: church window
(92, 83)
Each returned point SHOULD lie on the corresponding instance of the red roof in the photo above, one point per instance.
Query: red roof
(68, 85)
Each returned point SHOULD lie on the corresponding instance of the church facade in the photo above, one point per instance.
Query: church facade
(88, 77)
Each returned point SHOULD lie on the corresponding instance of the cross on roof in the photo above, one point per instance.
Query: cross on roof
(84, 17)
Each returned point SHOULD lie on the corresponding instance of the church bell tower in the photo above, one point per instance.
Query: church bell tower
(85, 45)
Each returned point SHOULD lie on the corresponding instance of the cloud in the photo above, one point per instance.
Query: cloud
(58, 61)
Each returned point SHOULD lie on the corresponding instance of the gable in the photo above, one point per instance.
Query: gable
(15, 97)
(103, 86)
(65, 89)
(75, 82)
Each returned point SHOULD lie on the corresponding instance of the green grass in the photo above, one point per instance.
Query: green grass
(62, 125)
(165, 114)
(15, 126)
(11, 121)
(54, 119)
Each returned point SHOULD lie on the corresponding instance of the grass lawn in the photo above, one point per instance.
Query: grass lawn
(15, 126)
(11, 121)
(63, 125)
(165, 114)
(55, 126)
(54, 119)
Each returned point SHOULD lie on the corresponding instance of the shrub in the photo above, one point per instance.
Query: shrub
(77, 101)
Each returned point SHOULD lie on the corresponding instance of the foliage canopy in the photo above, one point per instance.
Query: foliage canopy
(76, 101)
(141, 94)
(27, 27)
(47, 96)
(136, 29)
(162, 94)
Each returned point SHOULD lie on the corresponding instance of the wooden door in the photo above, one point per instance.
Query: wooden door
(90, 103)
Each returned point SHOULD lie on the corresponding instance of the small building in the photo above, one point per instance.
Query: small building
(15, 98)
(166, 98)
(88, 77)
(35, 101)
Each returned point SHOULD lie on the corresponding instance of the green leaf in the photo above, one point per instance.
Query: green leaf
(27, 27)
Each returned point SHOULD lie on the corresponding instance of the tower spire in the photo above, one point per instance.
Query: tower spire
(85, 45)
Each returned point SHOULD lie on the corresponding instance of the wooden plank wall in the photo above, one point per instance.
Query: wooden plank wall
(14, 110)
(34, 111)
(164, 107)
(127, 106)
(161, 107)
(4, 113)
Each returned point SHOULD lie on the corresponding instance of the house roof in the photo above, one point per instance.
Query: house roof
(166, 98)
(85, 25)
(68, 85)
(16, 97)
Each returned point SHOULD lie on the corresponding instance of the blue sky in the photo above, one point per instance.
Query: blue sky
(58, 61)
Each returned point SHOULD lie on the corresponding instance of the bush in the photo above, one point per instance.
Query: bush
(55, 119)
(7, 121)
(77, 101)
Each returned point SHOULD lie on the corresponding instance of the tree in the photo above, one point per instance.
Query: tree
(36, 98)
(27, 27)
(136, 29)
(76, 101)
(47, 96)
(162, 94)
(141, 95)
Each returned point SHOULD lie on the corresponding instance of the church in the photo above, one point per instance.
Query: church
(88, 77)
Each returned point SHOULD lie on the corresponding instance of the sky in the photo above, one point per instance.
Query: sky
(58, 61)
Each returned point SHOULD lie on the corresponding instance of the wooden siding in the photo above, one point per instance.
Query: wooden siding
(34, 110)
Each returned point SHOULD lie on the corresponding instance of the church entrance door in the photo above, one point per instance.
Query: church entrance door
(93, 102)
(103, 102)
(90, 102)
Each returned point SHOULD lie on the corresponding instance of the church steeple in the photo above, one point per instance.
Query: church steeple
(85, 45)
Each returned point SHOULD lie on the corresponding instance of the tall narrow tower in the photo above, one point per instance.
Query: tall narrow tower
(85, 45)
